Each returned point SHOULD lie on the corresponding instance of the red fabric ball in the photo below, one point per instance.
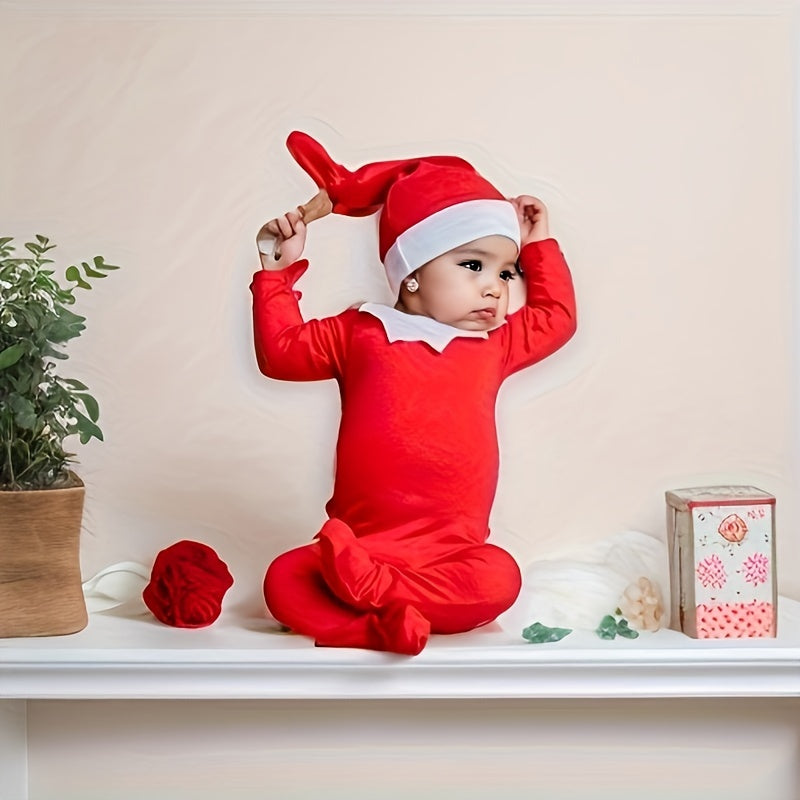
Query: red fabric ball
(187, 584)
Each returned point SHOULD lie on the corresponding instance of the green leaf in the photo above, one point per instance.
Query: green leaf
(73, 274)
(539, 634)
(100, 264)
(59, 333)
(51, 352)
(32, 316)
(24, 382)
(607, 629)
(39, 409)
(24, 412)
(92, 273)
(87, 429)
(70, 317)
(11, 355)
(67, 326)
(91, 406)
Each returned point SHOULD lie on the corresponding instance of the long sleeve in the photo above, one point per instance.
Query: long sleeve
(547, 321)
(287, 347)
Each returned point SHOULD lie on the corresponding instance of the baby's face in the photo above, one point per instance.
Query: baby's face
(467, 287)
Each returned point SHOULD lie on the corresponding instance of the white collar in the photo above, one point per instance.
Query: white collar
(403, 327)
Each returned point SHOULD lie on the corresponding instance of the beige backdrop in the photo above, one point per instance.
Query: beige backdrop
(663, 146)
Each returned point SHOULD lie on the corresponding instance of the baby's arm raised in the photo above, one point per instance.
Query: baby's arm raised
(287, 347)
(547, 321)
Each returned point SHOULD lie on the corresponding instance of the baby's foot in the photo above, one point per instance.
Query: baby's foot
(398, 628)
(403, 629)
(349, 570)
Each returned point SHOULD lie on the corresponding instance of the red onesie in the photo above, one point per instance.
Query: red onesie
(404, 551)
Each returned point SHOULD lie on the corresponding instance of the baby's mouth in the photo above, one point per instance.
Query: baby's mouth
(485, 313)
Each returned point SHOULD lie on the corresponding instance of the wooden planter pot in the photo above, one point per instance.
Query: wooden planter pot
(40, 577)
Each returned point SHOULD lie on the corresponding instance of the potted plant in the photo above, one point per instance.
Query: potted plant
(41, 499)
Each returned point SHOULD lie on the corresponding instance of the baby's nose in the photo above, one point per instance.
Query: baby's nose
(493, 287)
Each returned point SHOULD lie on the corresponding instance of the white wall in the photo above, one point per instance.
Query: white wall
(478, 749)
(662, 144)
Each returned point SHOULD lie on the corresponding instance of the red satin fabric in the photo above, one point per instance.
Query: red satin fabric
(404, 552)
(408, 190)
(363, 191)
(335, 591)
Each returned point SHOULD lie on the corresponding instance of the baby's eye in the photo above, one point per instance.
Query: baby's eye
(473, 264)
(507, 275)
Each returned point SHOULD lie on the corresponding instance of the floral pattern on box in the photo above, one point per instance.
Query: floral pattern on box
(733, 573)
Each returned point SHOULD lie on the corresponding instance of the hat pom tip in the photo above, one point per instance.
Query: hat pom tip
(315, 160)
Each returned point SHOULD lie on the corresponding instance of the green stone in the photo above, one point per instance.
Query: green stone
(624, 630)
(610, 628)
(539, 634)
(607, 629)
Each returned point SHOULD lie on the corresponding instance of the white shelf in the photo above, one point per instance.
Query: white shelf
(123, 658)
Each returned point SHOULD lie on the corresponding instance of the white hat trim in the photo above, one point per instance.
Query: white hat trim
(446, 229)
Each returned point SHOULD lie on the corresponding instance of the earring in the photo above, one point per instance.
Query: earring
(412, 284)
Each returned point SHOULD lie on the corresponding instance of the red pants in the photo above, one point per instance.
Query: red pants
(343, 595)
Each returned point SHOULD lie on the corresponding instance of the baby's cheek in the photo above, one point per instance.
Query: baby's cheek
(516, 294)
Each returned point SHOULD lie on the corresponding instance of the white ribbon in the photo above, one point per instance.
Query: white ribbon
(117, 586)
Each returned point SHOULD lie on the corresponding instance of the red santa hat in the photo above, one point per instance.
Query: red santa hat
(428, 205)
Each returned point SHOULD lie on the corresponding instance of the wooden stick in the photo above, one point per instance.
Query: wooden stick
(268, 239)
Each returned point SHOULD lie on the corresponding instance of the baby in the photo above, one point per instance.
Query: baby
(404, 551)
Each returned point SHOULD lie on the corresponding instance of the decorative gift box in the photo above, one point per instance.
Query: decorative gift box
(722, 561)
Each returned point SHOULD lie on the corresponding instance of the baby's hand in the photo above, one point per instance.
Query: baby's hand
(532, 215)
(289, 235)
